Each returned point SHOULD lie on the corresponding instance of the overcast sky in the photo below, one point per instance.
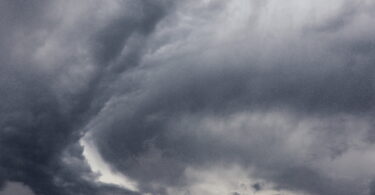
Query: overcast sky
(187, 97)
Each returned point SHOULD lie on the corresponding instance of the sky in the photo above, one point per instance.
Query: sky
(187, 97)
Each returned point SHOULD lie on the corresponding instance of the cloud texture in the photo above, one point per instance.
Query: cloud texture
(187, 97)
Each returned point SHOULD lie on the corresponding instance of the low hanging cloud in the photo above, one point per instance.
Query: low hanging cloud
(180, 97)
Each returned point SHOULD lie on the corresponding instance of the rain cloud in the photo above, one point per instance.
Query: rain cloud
(206, 97)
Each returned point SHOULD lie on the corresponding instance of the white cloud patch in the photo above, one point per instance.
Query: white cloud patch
(105, 173)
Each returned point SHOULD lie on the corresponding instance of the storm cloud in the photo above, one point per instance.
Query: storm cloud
(187, 97)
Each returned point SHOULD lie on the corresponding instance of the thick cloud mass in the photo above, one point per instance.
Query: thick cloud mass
(188, 97)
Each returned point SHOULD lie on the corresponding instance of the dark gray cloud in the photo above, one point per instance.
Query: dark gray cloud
(285, 91)
(41, 112)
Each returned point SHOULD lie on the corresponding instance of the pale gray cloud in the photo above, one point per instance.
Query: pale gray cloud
(16, 188)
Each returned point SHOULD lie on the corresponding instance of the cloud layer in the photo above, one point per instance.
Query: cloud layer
(181, 97)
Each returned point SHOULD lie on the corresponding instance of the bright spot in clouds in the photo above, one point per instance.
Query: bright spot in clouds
(106, 174)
